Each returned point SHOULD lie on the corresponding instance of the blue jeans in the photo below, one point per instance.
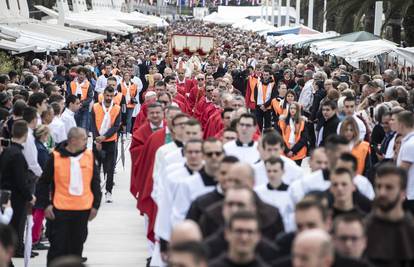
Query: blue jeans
(82, 119)
(129, 119)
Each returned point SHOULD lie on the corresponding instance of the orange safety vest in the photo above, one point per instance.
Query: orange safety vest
(285, 128)
(361, 151)
(84, 88)
(279, 110)
(99, 116)
(62, 199)
(117, 98)
(133, 92)
(252, 84)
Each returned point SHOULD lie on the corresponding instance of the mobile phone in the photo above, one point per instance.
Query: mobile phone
(4, 196)
(5, 142)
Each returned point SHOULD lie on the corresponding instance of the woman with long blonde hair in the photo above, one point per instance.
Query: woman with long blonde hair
(293, 130)
(360, 149)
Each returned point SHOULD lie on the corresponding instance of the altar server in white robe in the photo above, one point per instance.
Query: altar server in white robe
(192, 130)
(335, 147)
(175, 173)
(177, 126)
(275, 192)
(200, 183)
(244, 147)
(271, 145)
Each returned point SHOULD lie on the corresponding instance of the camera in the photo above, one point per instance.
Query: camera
(5, 142)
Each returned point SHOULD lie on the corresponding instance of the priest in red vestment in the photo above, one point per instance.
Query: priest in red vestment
(197, 92)
(184, 84)
(178, 98)
(140, 136)
(203, 102)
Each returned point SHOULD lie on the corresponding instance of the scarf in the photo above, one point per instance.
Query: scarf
(128, 92)
(79, 88)
(106, 122)
(292, 132)
(76, 179)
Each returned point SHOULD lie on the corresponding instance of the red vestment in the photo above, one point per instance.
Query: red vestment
(207, 113)
(214, 124)
(195, 96)
(139, 137)
(184, 88)
(251, 83)
(200, 107)
(145, 167)
(141, 117)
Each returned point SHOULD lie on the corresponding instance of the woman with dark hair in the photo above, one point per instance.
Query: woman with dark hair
(293, 130)
(281, 106)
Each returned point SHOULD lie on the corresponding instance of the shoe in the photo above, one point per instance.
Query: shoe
(40, 246)
(108, 197)
(21, 255)
(148, 262)
(34, 254)
(84, 259)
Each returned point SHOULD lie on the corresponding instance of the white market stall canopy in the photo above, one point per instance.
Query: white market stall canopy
(371, 51)
(229, 15)
(105, 15)
(293, 39)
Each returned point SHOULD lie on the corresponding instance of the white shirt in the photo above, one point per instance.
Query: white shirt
(407, 154)
(306, 96)
(361, 127)
(187, 191)
(280, 199)
(175, 156)
(57, 130)
(167, 193)
(389, 154)
(160, 166)
(30, 154)
(245, 153)
(316, 182)
(292, 172)
(139, 85)
(68, 119)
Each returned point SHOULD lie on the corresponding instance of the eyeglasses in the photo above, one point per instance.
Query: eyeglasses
(209, 91)
(200, 79)
(245, 125)
(163, 102)
(216, 153)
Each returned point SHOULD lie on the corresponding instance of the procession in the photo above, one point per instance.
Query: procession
(235, 136)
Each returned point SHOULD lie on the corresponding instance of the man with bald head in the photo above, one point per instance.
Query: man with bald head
(185, 231)
(75, 200)
(242, 175)
(313, 248)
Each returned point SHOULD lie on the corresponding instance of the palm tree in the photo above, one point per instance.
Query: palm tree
(408, 24)
(351, 15)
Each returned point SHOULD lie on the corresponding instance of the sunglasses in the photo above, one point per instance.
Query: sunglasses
(200, 79)
(216, 153)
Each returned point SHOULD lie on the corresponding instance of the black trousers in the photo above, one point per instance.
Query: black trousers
(264, 118)
(67, 233)
(18, 220)
(106, 158)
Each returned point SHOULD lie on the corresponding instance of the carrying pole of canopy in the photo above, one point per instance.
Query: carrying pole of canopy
(279, 13)
(378, 17)
(324, 15)
(287, 14)
(310, 14)
(297, 12)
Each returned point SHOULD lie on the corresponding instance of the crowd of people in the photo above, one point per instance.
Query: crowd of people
(249, 156)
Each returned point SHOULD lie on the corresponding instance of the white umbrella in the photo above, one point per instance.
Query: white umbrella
(28, 240)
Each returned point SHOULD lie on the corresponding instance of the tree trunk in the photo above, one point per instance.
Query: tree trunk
(369, 19)
(408, 24)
